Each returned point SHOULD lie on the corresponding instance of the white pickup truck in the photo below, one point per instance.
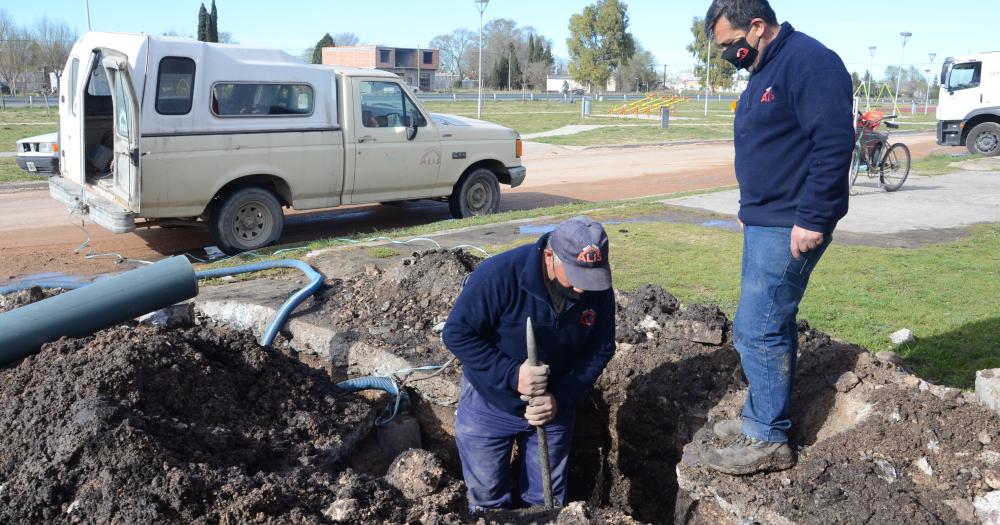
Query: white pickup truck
(167, 129)
(969, 111)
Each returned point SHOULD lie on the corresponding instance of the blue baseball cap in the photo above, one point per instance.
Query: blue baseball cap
(582, 246)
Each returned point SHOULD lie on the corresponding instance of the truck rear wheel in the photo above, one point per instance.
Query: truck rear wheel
(477, 193)
(984, 139)
(246, 219)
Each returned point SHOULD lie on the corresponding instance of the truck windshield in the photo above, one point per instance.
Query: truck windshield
(965, 76)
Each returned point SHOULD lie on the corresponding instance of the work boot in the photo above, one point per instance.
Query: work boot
(728, 429)
(749, 456)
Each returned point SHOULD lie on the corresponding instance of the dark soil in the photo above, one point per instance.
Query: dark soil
(25, 297)
(191, 425)
(397, 306)
(861, 452)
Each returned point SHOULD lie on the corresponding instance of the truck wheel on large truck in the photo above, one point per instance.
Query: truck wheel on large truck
(984, 139)
(246, 219)
(477, 193)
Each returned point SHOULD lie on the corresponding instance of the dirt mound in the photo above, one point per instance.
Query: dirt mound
(193, 425)
(398, 307)
(876, 445)
(25, 297)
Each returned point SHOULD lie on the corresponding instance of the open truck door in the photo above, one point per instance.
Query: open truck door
(125, 184)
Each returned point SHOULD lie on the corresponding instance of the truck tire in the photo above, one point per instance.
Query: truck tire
(984, 139)
(477, 193)
(246, 219)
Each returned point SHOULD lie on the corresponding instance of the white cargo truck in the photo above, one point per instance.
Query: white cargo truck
(969, 111)
(156, 130)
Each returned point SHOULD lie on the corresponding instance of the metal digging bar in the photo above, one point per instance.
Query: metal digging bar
(543, 438)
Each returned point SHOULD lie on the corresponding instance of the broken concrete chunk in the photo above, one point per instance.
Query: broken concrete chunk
(964, 509)
(988, 508)
(985, 438)
(902, 337)
(649, 324)
(438, 328)
(923, 466)
(574, 514)
(416, 473)
(988, 388)
(696, 331)
(846, 382)
(889, 357)
(176, 316)
(342, 510)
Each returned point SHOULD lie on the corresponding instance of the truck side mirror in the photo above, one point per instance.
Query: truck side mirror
(411, 129)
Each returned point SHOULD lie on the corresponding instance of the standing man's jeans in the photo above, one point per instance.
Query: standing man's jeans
(485, 436)
(765, 331)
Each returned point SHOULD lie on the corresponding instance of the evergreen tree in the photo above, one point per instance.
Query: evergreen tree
(514, 68)
(203, 24)
(213, 25)
(317, 54)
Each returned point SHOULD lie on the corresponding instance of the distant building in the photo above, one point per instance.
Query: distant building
(555, 84)
(408, 63)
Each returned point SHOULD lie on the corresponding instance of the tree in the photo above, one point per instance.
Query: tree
(599, 42)
(317, 54)
(212, 33)
(637, 71)
(346, 39)
(203, 23)
(722, 72)
(453, 48)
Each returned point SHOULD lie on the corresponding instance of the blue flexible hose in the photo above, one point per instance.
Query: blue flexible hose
(385, 384)
(315, 281)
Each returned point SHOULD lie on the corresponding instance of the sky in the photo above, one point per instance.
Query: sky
(848, 27)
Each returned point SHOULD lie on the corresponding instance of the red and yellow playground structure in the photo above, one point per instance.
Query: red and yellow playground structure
(649, 106)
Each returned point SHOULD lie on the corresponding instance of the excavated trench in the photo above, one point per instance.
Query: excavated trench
(197, 424)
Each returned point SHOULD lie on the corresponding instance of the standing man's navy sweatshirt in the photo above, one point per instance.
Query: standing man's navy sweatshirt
(486, 330)
(794, 136)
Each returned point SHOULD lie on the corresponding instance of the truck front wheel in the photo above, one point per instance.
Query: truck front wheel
(984, 139)
(477, 193)
(246, 219)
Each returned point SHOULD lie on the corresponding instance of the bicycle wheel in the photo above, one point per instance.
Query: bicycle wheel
(895, 166)
(855, 166)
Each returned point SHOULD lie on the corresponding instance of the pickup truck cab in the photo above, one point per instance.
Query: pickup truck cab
(162, 129)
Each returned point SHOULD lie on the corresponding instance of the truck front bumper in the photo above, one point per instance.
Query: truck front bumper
(517, 175)
(949, 132)
(105, 213)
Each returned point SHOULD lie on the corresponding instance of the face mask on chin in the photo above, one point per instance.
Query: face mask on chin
(564, 291)
(741, 54)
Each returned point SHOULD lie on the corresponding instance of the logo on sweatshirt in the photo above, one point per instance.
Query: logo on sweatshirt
(768, 95)
(588, 317)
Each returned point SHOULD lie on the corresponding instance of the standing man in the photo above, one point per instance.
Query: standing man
(794, 136)
(563, 283)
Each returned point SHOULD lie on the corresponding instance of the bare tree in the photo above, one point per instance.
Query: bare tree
(453, 48)
(18, 51)
(346, 39)
(54, 39)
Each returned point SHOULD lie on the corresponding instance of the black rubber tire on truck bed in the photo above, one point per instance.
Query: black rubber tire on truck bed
(246, 219)
(477, 193)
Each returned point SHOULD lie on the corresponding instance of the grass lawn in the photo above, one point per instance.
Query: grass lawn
(12, 115)
(641, 135)
(937, 164)
(11, 172)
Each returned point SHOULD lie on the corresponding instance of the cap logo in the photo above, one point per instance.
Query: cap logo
(588, 317)
(590, 255)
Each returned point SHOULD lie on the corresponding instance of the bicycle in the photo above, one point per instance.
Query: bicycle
(891, 164)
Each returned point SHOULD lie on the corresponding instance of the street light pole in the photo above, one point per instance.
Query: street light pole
(871, 73)
(481, 5)
(927, 101)
(708, 69)
(905, 35)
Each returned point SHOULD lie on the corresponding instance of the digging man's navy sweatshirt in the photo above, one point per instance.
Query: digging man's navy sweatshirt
(794, 136)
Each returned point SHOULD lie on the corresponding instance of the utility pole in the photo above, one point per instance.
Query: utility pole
(871, 73)
(664, 77)
(481, 5)
(930, 71)
(905, 35)
(708, 69)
